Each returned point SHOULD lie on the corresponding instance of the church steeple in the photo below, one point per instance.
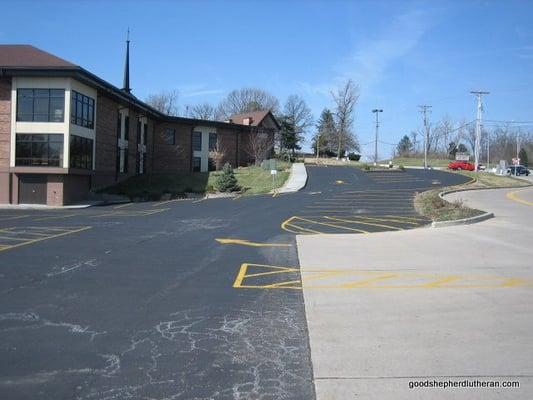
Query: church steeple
(126, 85)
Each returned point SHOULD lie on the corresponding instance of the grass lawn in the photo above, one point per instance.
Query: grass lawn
(252, 180)
(430, 205)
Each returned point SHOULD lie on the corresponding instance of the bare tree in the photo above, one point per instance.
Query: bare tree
(165, 102)
(217, 154)
(299, 114)
(345, 100)
(202, 111)
(246, 99)
(260, 145)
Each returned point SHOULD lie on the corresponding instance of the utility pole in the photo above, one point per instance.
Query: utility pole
(376, 111)
(424, 109)
(479, 94)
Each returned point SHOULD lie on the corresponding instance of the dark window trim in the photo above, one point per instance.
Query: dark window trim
(82, 102)
(49, 114)
(43, 159)
(84, 158)
(198, 134)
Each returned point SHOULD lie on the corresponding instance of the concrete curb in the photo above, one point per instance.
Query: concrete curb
(463, 221)
(471, 220)
(296, 181)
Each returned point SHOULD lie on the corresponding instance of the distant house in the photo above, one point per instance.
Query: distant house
(65, 131)
(263, 120)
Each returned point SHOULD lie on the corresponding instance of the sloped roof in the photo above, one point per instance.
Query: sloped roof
(27, 56)
(256, 116)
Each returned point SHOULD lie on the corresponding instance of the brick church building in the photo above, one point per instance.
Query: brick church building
(64, 131)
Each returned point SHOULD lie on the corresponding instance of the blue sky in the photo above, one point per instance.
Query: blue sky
(400, 53)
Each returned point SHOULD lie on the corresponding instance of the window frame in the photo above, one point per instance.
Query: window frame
(44, 142)
(194, 169)
(82, 109)
(196, 134)
(81, 159)
(52, 93)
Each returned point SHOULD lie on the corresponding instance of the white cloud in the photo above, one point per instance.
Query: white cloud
(368, 63)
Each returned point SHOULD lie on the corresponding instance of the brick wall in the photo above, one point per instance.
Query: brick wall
(5, 138)
(227, 140)
(169, 158)
(106, 142)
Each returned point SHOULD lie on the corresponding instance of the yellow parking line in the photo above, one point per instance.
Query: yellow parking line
(160, 203)
(252, 244)
(55, 217)
(514, 196)
(305, 229)
(14, 238)
(332, 225)
(9, 247)
(365, 223)
(9, 218)
(123, 205)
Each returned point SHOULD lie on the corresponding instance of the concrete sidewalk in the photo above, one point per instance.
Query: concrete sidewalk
(451, 304)
(297, 179)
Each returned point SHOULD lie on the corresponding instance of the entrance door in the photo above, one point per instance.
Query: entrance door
(32, 189)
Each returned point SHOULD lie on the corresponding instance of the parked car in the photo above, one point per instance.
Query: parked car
(461, 165)
(517, 170)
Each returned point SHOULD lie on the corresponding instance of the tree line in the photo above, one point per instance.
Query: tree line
(446, 138)
(333, 132)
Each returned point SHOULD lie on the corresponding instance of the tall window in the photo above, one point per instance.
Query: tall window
(39, 150)
(82, 110)
(212, 141)
(40, 105)
(197, 141)
(81, 152)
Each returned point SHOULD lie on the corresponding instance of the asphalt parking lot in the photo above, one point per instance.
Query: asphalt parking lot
(185, 299)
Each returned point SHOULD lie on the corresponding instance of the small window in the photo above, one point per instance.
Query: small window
(145, 134)
(139, 131)
(169, 136)
(196, 164)
(197, 141)
(212, 141)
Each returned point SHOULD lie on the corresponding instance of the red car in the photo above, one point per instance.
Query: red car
(461, 166)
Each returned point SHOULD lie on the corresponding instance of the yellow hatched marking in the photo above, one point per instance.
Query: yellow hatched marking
(365, 223)
(56, 235)
(332, 225)
(271, 270)
(386, 220)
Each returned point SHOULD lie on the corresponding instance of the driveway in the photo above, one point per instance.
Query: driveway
(447, 306)
(184, 299)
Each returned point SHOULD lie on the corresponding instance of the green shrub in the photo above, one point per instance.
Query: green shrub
(227, 182)
(366, 167)
(401, 168)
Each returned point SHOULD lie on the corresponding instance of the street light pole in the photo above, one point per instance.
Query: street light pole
(376, 111)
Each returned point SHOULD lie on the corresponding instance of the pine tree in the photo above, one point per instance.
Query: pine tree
(405, 146)
(226, 181)
(288, 135)
(325, 132)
